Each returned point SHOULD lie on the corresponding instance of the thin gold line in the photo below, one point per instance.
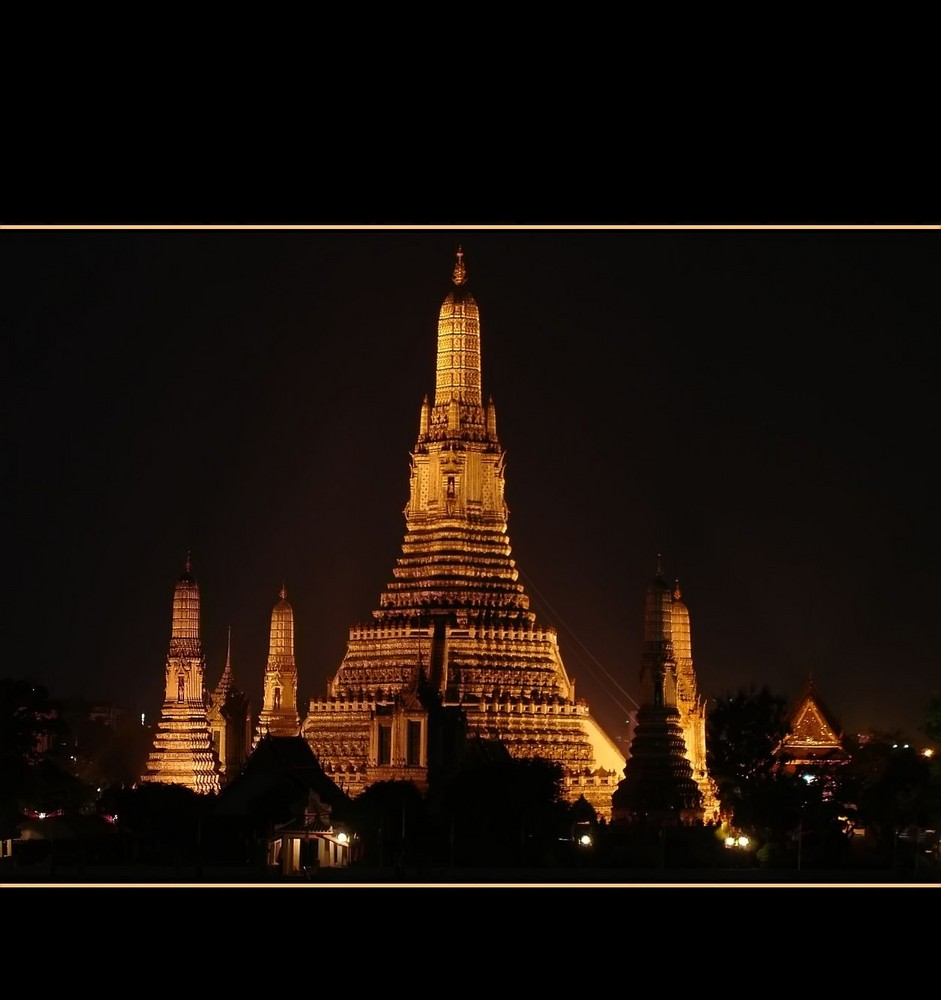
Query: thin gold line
(475, 226)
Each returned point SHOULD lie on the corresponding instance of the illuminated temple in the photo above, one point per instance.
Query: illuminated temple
(279, 705)
(453, 655)
(666, 779)
(183, 752)
(453, 652)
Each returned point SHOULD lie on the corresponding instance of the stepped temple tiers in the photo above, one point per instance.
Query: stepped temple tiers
(453, 656)
(454, 652)
(183, 751)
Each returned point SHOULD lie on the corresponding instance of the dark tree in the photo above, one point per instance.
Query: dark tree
(743, 740)
(505, 812)
(389, 818)
(890, 792)
(30, 724)
(34, 772)
(159, 823)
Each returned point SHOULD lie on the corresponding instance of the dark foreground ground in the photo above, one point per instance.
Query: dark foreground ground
(169, 876)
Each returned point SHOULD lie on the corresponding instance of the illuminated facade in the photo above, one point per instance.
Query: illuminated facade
(815, 738)
(279, 710)
(454, 647)
(666, 779)
(183, 752)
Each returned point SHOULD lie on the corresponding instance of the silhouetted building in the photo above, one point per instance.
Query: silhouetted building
(659, 784)
(230, 721)
(283, 800)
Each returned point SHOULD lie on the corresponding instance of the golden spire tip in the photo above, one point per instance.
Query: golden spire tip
(459, 275)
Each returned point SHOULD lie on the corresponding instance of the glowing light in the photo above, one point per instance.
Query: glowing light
(343, 837)
(585, 840)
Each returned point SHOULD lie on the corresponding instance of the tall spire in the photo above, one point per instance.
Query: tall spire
(230, 722)
(279, 709)
(458, 369)
(658, 786)
(225, 681)
(183, 751)
(456, 614)
(184, 629)
(459, 275)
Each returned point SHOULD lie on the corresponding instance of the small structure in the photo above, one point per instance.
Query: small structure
(310, 841)
(283, 798)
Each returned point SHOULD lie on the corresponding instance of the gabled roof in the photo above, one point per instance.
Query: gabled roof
(279, 777)
(815, 730)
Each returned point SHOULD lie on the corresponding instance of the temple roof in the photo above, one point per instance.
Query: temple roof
(280, 774)
(809, 697)
(815, 730)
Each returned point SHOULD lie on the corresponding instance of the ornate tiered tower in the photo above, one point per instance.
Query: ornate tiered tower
(659, 785)
(454, 630)
(279, 711)
(691, 706)
(183, 753)
(230, 721)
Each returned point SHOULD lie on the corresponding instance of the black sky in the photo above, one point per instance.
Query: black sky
(757, 406)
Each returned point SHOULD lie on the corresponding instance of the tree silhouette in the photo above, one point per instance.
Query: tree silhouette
(505, 812)
(389, 817)
(743, 737)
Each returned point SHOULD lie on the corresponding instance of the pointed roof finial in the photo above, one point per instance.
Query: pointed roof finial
(459, 275)
(283, 593)
(659, 567)
(677, 594)
(228, 652)
(188, 565)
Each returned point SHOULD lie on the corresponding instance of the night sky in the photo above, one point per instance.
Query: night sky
(758, 407)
